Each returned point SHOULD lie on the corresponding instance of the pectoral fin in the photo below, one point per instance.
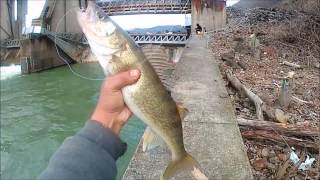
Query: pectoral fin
(151, 140)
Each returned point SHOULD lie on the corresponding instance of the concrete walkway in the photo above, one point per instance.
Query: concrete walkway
(211, 133)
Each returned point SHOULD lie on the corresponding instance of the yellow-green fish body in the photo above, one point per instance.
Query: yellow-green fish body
(147, 98)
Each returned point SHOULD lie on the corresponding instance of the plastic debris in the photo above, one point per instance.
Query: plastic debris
(306, 164)
(294, 157)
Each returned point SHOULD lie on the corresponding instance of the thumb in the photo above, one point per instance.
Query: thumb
(120, 80)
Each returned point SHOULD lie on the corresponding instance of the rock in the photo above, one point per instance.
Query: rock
(272, 153)
(228, 56)
(256, 15)
(282, 157)
(245, 110)
(263, 178)
(265, 152)
(260, 164)
(274, 160)
(281, 116)
(271, 166)
(253, 150)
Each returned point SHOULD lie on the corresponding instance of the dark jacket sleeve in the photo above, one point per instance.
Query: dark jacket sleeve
(90, 154)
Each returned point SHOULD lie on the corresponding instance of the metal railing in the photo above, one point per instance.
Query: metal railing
(12, 43)
(125, 7)
(139, 38)
(162, 38)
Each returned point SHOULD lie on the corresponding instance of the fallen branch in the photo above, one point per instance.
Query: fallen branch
(271, 136)
(231, 61)
(300, 100)
(245, 91)
(287, 129)
(291, 64)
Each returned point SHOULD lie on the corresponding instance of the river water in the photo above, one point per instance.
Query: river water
(40, 110)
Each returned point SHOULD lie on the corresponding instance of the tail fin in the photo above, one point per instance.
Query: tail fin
(186, 163)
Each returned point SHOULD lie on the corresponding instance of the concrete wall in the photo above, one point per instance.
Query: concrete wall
(212, 18)
(174, 53)
(33, 49)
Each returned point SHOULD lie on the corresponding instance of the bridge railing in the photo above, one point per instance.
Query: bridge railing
(123, 7)
(14, 43)
(143, 38)
(174, 38)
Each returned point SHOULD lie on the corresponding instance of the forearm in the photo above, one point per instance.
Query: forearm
(90, 154)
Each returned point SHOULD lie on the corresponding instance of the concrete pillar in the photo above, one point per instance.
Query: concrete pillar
(20, 23)
(64, 17)
(71, 17)
(58, 22)
(210, 14)
(5, 22)
(11, 28)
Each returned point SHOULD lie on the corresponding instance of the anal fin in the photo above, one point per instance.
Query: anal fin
(182, 110)
(151, 140)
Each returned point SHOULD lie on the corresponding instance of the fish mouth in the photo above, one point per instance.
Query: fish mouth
(101, 33)
(95, 20)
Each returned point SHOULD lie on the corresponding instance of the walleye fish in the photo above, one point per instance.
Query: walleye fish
(147, 98)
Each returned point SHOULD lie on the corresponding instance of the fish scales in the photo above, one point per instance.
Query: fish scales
(147, 98)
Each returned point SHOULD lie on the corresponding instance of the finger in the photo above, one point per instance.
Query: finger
(122, 119)
(124, 115)
(123, 79)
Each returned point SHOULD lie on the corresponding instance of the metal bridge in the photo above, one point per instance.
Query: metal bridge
(126, 7)
(160, 38)
(13, 43)
(155, 38)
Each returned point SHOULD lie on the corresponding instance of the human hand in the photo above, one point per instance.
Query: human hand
(111, 111)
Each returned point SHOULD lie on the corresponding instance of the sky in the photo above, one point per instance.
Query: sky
(127, 21)
(34, 10)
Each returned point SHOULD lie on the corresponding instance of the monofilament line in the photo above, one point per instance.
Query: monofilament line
(65, 61)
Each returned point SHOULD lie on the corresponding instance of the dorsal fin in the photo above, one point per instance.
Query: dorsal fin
(158, 58)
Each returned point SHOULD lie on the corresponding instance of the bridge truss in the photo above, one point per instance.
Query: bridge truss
(155, 38)
(126, 7)
(174, 38)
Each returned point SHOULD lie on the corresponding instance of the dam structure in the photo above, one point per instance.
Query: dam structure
(210, 131)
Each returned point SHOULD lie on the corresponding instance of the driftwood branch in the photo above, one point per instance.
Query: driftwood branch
(245, 91)
(271, 136)
(287, 129)
(291, 64)
(300, 100)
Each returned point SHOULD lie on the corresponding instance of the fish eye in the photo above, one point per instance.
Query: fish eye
(100, 15)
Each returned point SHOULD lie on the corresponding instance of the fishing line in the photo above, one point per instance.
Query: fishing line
(65, 61)
(68, 64)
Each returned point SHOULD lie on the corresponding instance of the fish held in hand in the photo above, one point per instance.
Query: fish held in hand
(147, 98)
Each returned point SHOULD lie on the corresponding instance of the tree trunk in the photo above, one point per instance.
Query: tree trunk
(271, 136)
(287, 129)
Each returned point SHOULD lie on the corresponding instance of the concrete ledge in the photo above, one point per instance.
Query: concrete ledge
(211, 133)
